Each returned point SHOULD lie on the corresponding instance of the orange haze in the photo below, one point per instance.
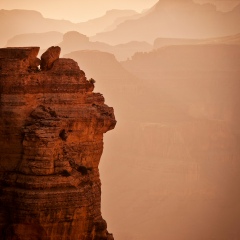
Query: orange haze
(170, 169)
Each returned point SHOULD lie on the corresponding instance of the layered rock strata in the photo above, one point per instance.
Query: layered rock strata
(51, 141)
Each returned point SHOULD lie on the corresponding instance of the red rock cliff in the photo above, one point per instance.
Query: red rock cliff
(51, 141)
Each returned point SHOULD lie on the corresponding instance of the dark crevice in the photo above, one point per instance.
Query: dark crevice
(63, 135)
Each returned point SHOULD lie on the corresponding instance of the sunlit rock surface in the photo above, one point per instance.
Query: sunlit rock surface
(51, 138)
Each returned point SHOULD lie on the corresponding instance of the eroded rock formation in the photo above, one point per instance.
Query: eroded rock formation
(51, 141)
(49, 57)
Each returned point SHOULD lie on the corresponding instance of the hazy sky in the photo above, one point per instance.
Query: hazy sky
(82, 10)
(76, 10)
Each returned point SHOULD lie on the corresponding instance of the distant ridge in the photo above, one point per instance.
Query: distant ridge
(161, 42)
(175, 19)
(15, 22)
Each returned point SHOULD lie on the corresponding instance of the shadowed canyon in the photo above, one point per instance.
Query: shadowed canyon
(170, 168)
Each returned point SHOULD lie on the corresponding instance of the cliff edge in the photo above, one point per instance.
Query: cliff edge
(51, 138)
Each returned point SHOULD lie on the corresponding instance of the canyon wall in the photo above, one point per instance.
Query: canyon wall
(51, 138)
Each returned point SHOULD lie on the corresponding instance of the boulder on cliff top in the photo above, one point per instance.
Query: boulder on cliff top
(49, 57)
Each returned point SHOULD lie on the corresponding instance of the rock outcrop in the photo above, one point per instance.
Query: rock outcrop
(51, 138)
(49, 57)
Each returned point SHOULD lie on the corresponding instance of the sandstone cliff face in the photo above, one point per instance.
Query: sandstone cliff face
(51, 138)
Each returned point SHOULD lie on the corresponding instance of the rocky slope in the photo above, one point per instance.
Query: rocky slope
(51, 137)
